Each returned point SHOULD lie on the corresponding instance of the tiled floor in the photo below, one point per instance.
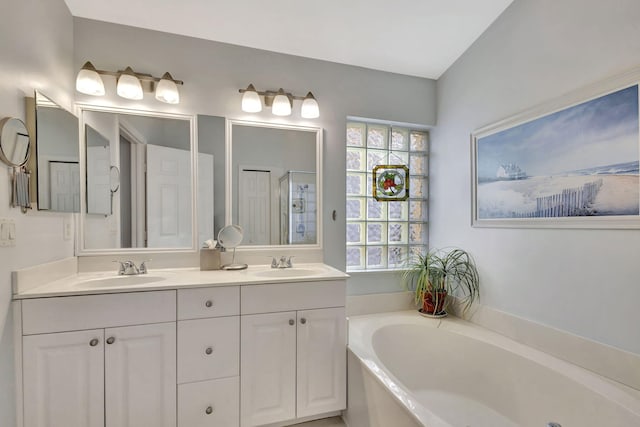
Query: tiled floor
(326, 422)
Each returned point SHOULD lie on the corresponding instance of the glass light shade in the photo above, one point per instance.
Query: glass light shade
(129, 85)
(167, 90)
(251, 102)
(310, 109)
(281, 105)
(89, 81)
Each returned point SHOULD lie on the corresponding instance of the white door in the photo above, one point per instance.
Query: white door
(322, 358)
(140, 376)
(205, 198)
(64, 379)
(254, 206)
(65, 186)
(268, 368)
(168, 197)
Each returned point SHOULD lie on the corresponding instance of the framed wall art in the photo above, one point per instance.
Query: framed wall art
(572, 163)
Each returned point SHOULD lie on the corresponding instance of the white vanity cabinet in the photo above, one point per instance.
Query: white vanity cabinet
(293, 351)
(108, 375)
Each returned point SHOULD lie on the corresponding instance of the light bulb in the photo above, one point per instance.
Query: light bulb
(167, 90)
(281, 105)
(310, 109)
(129, 85)
(251, 102)
(89, 81)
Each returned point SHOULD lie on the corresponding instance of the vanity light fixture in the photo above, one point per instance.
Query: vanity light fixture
(130, 85)
(251, 100)
(280, 102)
(89, 81)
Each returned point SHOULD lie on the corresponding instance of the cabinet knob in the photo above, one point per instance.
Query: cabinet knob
(209, 303)
(292, 322)
(209, 410)
(111, 340)
(303, 320)
(209, 350)
(94, 342)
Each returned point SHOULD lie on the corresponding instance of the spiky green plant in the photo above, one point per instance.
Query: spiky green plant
(453, 271)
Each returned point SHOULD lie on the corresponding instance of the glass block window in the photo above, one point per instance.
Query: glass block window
(383, 235)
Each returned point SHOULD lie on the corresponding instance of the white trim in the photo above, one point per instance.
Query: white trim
(563, 102)
(17, 354)
(229, 177)
(81, 250)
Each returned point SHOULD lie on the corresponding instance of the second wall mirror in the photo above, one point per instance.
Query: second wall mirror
(274, 182)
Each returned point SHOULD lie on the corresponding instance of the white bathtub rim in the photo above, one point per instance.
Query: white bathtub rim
(361, 329)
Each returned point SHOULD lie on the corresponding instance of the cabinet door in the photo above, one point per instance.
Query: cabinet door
(268, 368)
(64, 379)
(140, 376)
(322, 358)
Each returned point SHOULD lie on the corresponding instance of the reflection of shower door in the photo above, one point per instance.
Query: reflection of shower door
(168, 197)
(254, 206)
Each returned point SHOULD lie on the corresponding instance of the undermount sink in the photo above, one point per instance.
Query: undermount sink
(286, 272)
(123, 280)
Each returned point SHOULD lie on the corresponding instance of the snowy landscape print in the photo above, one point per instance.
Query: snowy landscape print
(577, 162)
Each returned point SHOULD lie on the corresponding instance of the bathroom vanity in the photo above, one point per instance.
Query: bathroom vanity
(183, 348)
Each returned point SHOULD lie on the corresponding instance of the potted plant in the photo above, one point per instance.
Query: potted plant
(439, 274)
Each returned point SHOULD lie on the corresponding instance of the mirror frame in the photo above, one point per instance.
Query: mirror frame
(80, 108)
(229, 178)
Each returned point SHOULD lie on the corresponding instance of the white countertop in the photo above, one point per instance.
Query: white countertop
(162, 279)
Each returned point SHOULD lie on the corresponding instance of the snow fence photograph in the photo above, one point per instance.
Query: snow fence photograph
(577, 162)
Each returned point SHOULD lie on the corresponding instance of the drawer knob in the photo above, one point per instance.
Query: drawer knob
(209, 410)
(111, 340)
(209, 303)
(209, 350)
(303, 320)
(94, 342)
(292, 322)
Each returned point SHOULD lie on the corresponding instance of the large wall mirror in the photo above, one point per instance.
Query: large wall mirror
(274, 182)
(57, 157)
(139, 184)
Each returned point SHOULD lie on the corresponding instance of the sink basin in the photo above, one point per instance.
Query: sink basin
(287, 272)
(123, 280)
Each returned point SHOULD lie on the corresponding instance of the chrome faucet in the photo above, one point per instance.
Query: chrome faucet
(128, 268)
(283, 262)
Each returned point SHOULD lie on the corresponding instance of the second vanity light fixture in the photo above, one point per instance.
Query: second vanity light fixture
(280, 102)
(129, 85)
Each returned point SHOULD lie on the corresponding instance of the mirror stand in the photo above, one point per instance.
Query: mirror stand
(15, 148)
(230, 237)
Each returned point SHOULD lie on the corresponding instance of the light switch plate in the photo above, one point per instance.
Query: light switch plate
(7, 232)
(67, 228)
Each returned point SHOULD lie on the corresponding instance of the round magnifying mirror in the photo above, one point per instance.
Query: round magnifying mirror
(230, 237)
(15, 144)
(114, 179)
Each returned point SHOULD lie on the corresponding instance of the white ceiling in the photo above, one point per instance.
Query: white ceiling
(414, 37)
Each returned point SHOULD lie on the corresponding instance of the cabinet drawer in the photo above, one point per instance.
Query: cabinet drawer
(292, 296)
(209, 403)
(208, 348)
(208, 302)
(59, 314)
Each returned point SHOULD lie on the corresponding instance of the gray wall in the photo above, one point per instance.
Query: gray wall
(36, 53)
(213, 73)
(581, 281)
(211, 140)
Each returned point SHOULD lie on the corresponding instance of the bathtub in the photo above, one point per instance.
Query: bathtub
(406, 370)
